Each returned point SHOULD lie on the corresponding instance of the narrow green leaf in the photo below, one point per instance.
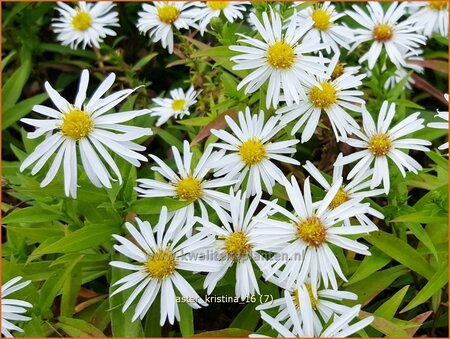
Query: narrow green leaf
(422, 235)
(386, 327)
(31, 215)
(370, 287)
(369, 265)
(390, 307)
(437, 281)
(21, 109)
(12, 89)
(247, 319)
(402, 252)
(79, 328)
(186, 320)
(71, 289)
(84, 238)
(53, 285)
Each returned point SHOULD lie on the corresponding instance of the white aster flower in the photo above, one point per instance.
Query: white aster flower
(251, 152)
(234, 244)
(187, 184)
(403, 71)
(12, 309)
(357, 188)
(159, 19)
(385, 31)
(159, 260)
(279, 59)
(332, 92)
(85, 124)
(325, 303)
(212, 9)
(177, 106)
(430, 16)
(302, 325)
(303, 239)
(380, 143)
(86, 24)
(325, 29)
(441, 125)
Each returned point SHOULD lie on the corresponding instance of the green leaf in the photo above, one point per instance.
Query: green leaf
(401, 252)
(71, 289)
(168, 137)
(186, 320)
(369, 265)
(21, 109)
(386, 327)
(370, 287)
(121, 323)
(78, 328)
(87, 237)
(153, 205)
(437, 281)
(423, 217)
(390, 307)
(53, 285)
(144, 61)
(12, 89)
(422, 235)
(225, 333)
(31, 215)
(247, 319)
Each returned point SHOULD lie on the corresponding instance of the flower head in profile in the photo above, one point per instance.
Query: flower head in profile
(188, 183)
(213, 9)
(280, 59)
(380, 143)
(160, 18)
(325, 29)
(251, 152)
(333, 93)
(85, 127)
(177, 106)
(385, 30)
(300, 323)
(325, 303)
(303, 236)
(12, 309)
(157, 261)
(357, 188)
(430, 17)
(86, 24)
(234, 243)
(411, 65)
(441, 125)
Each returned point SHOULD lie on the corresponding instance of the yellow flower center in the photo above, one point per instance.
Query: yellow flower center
(321, 19)
(280, 55)
(380, 144)
(252, 152)
(340, 197)
(76, 124)
(323, 97)
(337, 71)
(81, 21)
(311, 231)
(168, 13)
(189, 189)
(382, 32)
(217, 5)
(236, 245)
(437, 5)
(311, 297)
(178, 104)
(161, 264)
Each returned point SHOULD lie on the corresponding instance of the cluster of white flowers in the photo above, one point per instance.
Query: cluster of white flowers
(298, 61)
